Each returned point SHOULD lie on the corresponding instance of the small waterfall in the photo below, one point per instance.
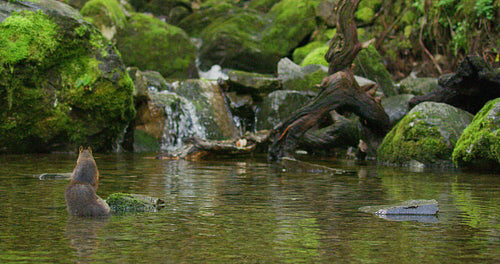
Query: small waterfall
(181, 121)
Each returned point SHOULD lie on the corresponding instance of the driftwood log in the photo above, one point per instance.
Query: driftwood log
(469, 88)
(339, 91)
(197, 148)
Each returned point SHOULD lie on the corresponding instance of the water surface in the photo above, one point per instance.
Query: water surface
(247, 211)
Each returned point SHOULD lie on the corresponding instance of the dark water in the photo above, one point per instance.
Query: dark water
(247, 211)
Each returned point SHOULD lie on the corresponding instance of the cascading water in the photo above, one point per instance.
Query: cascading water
(181, 121)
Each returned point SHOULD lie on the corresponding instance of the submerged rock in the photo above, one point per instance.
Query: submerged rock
(427, 134)
(479, 145)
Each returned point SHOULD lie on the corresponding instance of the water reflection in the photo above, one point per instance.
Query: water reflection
(83, 235)
(229, 211)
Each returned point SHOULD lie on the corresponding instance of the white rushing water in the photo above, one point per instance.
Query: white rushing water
(181, 121)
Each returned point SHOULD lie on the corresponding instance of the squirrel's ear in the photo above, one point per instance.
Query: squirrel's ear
(81, 149)
(90, 150)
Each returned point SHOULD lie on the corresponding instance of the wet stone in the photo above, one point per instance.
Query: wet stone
(411, 207)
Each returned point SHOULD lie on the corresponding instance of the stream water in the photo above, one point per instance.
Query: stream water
(247, 211)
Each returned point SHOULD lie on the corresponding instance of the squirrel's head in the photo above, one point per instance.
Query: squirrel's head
(85, 152)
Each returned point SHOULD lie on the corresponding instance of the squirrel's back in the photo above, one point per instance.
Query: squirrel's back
(86, 169)
(80, 194)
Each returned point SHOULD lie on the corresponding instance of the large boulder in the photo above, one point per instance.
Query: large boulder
(151, 44)
(479, 145)
(62, 83)
(426, 135)
(248, 40)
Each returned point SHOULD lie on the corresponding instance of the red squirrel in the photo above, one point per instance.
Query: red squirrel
(80, 194)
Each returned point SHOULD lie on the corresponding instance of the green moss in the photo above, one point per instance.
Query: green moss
(370, 65)
(479, 145)
(124, 202)
(151, 44)
(317, 56)
(144, 142)
(413, 139)
(300, 53)
(262, 5)
(367, 9)
(209, 12)
(104, 13)
(47, 67)
(308, 83)
(27, 36)
(285, 33)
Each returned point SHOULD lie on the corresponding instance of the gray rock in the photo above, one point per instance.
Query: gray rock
(278, 106)
(411, 207)
(412, 210)
(294, 77)
(417, 86)
(396, 106)
(253, 83)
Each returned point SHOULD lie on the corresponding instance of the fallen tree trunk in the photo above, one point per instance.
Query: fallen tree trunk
(339, 91)
(469, 88)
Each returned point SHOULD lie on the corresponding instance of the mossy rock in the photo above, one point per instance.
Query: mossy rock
(251, 41)
(299, 54)
(170, 10)
(370, 64)
(367, 9)
(479, 145)
(107, 15)
(62, 84)
(427, 134)
(208, 12)
(316, 56)
(233, 42)
(294, 77)
(121, 203)
(417, 86)
(151, 44)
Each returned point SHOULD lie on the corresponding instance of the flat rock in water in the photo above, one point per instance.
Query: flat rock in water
(411, 207)
(45, 176)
